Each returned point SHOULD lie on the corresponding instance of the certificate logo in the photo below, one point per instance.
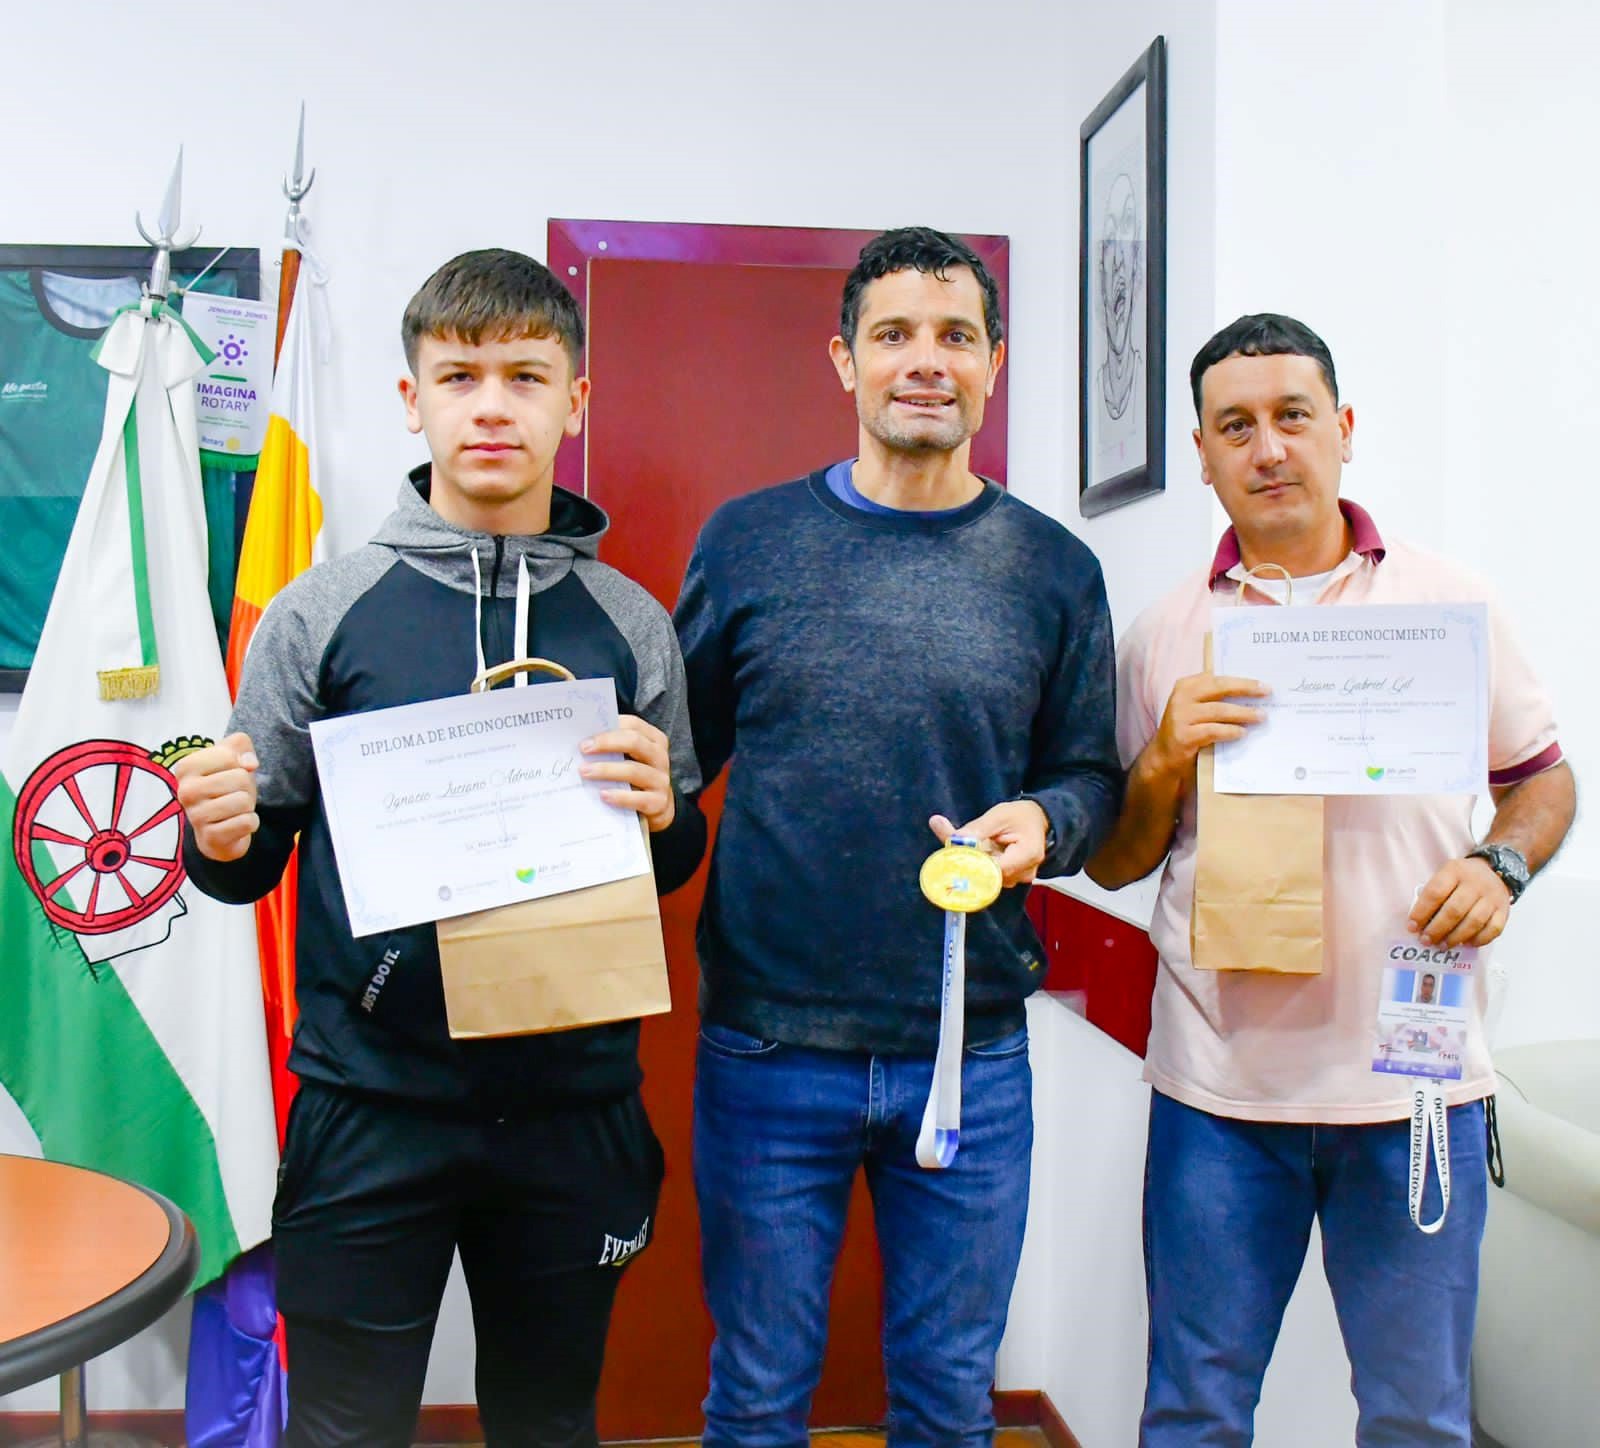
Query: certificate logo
(1299, 771)
(444, 892)
(527, 876)
(1375, 772)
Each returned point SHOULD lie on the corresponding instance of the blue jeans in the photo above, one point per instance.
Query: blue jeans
(1228, 1207)
(779, 1133)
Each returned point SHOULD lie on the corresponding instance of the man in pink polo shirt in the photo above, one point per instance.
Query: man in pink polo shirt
(1266, 1111)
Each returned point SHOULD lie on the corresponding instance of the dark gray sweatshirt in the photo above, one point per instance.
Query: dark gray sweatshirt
(395, 623)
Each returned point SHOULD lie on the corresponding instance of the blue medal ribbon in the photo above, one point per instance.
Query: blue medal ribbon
(940, 1136)
(962, 878)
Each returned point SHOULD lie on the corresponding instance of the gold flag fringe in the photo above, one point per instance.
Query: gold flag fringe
(136, 683)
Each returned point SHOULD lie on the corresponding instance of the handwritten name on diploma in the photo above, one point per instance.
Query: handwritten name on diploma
(1351, 686)
(557, 771)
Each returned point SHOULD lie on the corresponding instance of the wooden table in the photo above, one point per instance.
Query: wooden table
(86, 1261)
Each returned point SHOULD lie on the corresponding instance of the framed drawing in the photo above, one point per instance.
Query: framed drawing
(1122, 289)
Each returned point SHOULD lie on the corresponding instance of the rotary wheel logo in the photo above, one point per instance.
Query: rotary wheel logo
(232, 350)
(110, 811)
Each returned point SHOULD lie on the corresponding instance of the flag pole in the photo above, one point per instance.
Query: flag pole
(289, 276)
(239, 1402)
(165, 240)
(280, 541)
(136, 671)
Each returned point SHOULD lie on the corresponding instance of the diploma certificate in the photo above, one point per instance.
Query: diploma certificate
(1370, 700)
(469, 802)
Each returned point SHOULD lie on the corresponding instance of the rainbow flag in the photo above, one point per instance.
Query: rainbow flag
(282, 538)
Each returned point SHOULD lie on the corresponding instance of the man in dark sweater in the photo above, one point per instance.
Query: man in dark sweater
(531, 1154)
(885, 647)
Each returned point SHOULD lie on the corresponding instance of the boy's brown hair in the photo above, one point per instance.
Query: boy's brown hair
(494, 296)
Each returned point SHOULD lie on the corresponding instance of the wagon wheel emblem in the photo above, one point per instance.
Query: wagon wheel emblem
(79, 798)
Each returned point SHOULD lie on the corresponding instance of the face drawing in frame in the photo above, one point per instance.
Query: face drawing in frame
(1121, 257)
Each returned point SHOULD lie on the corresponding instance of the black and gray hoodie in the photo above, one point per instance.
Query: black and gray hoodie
(398, 622)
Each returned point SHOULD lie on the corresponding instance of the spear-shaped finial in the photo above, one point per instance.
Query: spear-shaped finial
(172, 202)
(295, 190)
(166, 239)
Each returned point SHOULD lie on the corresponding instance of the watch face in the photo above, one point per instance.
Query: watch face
(1513, 864)
(1508, 863)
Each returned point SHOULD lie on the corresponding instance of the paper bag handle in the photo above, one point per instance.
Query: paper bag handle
(501, 672)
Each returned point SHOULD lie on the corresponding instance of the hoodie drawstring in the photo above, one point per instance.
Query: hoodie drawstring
(477, 605)
(520, 634)
(524, 608)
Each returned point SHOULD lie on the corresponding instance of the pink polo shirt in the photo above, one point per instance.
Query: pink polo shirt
(1265, 1047)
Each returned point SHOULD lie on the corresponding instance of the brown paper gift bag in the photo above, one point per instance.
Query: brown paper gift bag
(576, 959)
(1257, 877)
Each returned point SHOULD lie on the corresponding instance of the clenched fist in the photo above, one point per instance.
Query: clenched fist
(217, 789)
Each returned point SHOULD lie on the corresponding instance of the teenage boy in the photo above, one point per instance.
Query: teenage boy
(887, 646)
(531, 1155)
(1266, 1112)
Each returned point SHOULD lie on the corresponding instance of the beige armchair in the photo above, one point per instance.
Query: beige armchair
(1536, 1358)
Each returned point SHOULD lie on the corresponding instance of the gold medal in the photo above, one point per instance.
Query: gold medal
(961, 877)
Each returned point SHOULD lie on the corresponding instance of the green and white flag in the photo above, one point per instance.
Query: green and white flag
(131, 1026)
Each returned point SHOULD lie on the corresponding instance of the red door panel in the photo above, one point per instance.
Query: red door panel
(709, 381)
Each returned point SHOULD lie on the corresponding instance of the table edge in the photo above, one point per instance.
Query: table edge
(60, 1345)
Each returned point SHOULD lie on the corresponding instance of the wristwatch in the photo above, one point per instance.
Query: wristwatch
(1509, 863)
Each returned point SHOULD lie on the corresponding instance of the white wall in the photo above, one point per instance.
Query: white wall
(1329, 206)
(1146, 546)
(1520, 500)
(434, 131)
(1077, 1325)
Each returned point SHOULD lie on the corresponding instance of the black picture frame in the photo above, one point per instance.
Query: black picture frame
(242, 263)
(1122, 290)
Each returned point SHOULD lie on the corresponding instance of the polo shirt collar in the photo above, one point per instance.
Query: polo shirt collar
(1364, 539)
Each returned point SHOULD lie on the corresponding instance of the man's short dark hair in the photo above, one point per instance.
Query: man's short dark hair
(917, 248)
(493, 296)
(1262, 334)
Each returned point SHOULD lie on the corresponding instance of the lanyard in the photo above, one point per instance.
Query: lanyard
(1429, 1119)
(1423, 1021)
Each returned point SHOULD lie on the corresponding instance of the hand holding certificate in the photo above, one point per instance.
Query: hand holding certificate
(1369, 700)
(466, 803)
